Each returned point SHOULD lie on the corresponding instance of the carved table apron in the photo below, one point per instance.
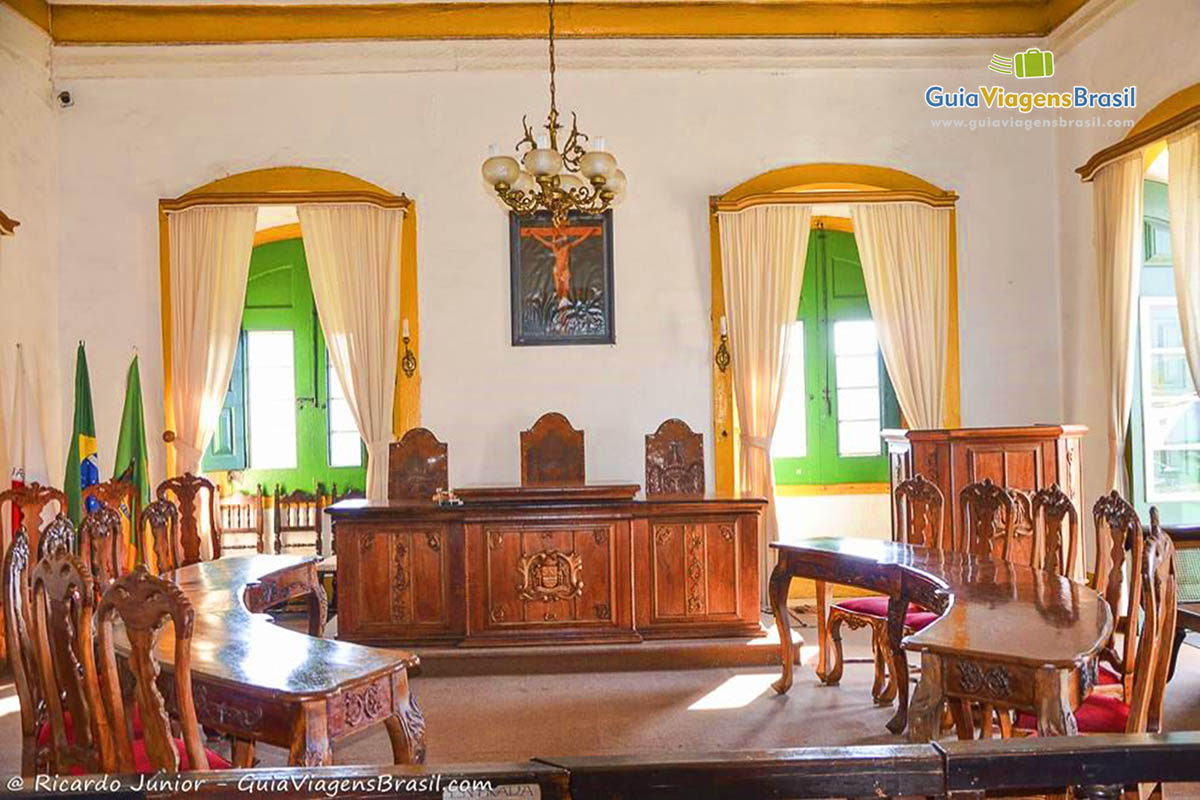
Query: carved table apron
(260, 682)
(1008, 635)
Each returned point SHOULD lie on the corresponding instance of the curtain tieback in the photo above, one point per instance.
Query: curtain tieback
(757, 442)
(378, 449)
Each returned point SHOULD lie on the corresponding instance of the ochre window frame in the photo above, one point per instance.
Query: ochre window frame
(1150, 132)
(819, 184)
(289, 186)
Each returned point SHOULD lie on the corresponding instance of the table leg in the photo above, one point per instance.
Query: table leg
(310, 737)
(927, 702)
(1051, 695)
(778, 592)
(406, 725)
(243, 753)
(318, 610)
(824, 596)
(897, 610)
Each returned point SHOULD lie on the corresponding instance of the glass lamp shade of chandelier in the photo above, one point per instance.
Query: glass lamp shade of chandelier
(580, 176)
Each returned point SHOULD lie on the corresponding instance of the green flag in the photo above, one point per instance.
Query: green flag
(132, 464)
(83, 466)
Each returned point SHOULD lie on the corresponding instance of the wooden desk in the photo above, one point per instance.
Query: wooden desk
(1009, 635)
(546, 566)
(257, 681)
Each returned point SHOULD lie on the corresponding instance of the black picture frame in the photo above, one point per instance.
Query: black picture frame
(541, 313)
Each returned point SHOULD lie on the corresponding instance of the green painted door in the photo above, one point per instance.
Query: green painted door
(845, 393)
(286, 438)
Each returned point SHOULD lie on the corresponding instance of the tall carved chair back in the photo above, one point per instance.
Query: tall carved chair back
(1056, 530)
(552, 453)
(115, 493)
(62, 604)
(158, 532)
(58, 535)
(989, 515)
(298, 512)
(20, 649)
(1158, 612)
(242, 521)
(418, 466)
(920, 508)
(195, 495)
(28, 503)
(102, 545)
(675, 460)
(144, 604)
(1117, 577)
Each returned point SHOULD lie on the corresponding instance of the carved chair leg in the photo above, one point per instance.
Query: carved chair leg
(964, 723)
(406, 726)
(834, 676)
(778, 592)
(987, 718)
(1004, 717)
(888, 695)
(243, 753)
(880, 684)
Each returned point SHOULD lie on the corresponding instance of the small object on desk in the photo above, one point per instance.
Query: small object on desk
(445, 498)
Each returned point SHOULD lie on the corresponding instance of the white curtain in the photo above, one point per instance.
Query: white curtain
(353, 253)
(1183, 198)
(210, 260)
(762, 263)
(1117, 214)
(905, 253)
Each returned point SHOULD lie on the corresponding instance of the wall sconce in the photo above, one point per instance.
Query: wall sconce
(8, 225)
(722, 356)
(408, 362)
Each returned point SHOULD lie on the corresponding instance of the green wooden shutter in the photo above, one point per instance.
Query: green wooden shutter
(228, 448)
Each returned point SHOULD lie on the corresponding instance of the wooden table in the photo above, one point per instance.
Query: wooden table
(262, 683)
(1008, 635)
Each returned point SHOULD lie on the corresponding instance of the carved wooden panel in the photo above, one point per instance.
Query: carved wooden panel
(694, 569)
(417, 466)
(552, 452)
(549, 576)
(675, 460)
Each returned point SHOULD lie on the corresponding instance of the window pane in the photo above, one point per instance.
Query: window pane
(345, 446)
(271, 375)
(855, 338)
(857, 371)
(858, 438)
(1170, 406)
(791, 434)
(858, 404)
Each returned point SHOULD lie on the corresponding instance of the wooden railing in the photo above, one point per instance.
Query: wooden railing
(1095, 766)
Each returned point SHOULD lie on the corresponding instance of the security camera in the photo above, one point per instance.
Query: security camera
(65, 100)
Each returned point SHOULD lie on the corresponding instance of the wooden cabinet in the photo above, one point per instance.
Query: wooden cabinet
(1026, 458)
(548, 565)
(399, 579)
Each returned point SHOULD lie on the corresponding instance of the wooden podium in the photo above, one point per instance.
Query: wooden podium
(1026, 458)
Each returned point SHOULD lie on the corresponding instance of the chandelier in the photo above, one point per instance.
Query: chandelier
(577, 177)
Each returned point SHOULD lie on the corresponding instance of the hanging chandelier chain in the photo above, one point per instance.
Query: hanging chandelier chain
(553, 125)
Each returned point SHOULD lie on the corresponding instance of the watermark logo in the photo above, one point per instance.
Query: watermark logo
(1033, 63)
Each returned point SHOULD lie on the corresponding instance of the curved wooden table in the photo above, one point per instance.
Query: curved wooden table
(259, 682)
(1008, 635)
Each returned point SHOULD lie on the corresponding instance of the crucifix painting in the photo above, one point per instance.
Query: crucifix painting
(562, 280)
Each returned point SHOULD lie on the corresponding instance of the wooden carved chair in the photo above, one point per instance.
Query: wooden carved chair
(21, 655)
(241, 520)
(102, 546)
(920, 506)
(552, 453)
(1056, 530)
(989, 516)
(115, 493)
(194, 495)
(296, 513)
(1142, 711)
(144, 604)
(418, 466)
(1117, 578)
(158, 532)
(58, 535)
(29, 501)
(675, 460)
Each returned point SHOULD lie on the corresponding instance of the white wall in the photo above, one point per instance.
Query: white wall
(680, 134)
(1151, 44)
(28, 260)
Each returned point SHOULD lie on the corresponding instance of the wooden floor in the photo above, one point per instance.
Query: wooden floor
(513, 717)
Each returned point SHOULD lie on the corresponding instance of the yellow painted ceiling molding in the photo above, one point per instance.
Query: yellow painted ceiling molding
(1173, 114)
(592, 19)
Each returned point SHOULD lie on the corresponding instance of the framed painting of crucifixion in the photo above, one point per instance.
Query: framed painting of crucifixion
(562, 280)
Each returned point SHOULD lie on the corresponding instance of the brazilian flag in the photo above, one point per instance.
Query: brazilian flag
(132, 464)
(83, 467)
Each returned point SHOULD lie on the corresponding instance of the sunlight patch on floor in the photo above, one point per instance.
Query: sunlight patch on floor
(737, 692)
(9, 705)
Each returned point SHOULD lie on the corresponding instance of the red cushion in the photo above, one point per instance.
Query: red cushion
(1107, 676)
(43, 737)
(916, 618)
(1098, 713)
(142, 764)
